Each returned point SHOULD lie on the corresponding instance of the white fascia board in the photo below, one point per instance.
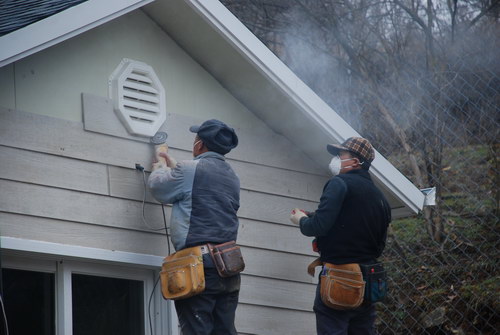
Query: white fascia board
(271, 66)
(61, 26)
(78, 252)
(316, 109)
(397, 183)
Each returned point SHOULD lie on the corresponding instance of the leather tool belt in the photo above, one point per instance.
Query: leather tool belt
(182, 274)
(342, 286)
(227, 258)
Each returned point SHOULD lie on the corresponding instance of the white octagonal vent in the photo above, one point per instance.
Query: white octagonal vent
(138, 97)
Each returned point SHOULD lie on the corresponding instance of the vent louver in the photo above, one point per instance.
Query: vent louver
(138, 97)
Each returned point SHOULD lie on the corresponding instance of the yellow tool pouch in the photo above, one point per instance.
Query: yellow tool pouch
(342, 286)
(182, 274)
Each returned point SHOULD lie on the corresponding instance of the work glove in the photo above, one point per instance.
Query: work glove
(163, 159)
(169, 160)
(296, 215)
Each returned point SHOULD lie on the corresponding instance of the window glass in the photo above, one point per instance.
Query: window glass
(103, 306)
(29, 299)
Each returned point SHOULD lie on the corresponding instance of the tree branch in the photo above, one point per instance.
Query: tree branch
(494, 3)
(412, 14)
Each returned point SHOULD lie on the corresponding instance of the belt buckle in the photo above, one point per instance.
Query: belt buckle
(204, 249)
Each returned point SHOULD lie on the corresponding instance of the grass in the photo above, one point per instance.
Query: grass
(461, 274)
(486, 291)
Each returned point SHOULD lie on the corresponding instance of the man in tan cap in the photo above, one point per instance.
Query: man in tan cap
(350, 226)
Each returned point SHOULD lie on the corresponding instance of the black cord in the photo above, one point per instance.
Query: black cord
(165, 223)
(6, 325)
(157, 279)
(149, 305)
(4, 316)
(1, 273)
(168, 241)
(144, 205)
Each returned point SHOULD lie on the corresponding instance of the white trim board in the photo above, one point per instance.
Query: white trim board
(61, 26)
(77, 252)
(163, 314)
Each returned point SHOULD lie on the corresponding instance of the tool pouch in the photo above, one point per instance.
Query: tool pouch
(375, 277)
(182, 274)
(342, 286)
(227, 258)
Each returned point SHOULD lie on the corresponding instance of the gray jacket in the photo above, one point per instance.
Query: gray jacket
(205, 193)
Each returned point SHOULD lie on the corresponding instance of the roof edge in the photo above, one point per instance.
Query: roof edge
(61, 26)
(317, 110)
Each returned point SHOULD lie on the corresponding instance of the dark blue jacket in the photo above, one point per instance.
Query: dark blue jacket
(351, 220)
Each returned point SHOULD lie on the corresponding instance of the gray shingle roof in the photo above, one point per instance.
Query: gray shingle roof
(15, 14)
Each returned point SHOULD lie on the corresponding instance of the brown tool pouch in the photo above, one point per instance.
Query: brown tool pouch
(342, 286)
(182, 274)
(227, 258)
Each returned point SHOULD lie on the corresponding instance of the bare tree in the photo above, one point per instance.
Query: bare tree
(386, 60)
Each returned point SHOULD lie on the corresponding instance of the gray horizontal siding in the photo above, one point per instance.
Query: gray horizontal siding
(62, 184)
(262, 320)
(260, 145)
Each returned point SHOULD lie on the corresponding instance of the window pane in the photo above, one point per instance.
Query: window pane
(104, 306)
(29, 300)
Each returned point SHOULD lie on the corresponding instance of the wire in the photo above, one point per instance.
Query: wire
(149, 305)
(4, 316)
(1, 297)
(168, 244)
(157, 279)
(144, 205)
(166, 230)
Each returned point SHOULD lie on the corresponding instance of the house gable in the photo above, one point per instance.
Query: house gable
(247, 69)
(68, 163)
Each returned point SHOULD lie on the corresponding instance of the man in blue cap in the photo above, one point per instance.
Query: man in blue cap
(205, 194)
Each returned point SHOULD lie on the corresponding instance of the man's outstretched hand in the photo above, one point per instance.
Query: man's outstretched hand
(296, 215)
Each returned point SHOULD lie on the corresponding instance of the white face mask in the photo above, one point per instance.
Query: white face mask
(195, 143)
(335, 164)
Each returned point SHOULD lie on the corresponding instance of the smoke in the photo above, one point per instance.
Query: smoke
(306, 51)
(376, 68)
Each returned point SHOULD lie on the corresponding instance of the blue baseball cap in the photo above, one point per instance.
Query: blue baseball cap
(216, 135)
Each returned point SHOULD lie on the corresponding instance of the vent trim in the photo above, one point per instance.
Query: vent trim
(138, 97)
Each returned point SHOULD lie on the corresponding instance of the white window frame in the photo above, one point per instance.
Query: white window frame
(62, 261)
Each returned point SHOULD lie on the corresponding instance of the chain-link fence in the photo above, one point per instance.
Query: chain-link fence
(443, 263)
(422, 82)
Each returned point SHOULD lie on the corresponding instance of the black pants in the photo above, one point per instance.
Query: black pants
(211, 312)
(359, 321)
